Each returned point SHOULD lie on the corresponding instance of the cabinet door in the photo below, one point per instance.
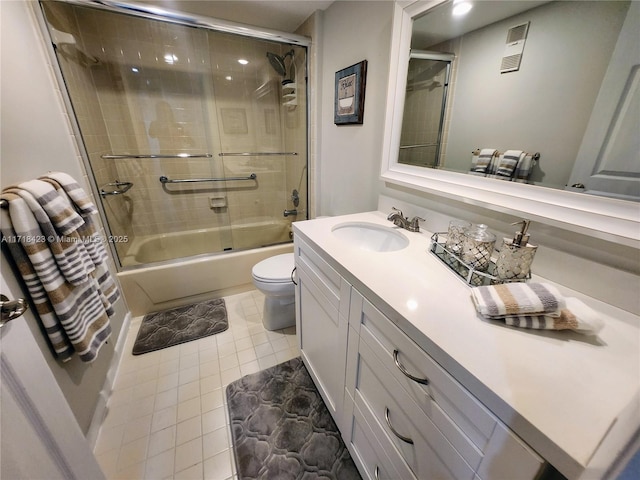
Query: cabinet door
(322, 327)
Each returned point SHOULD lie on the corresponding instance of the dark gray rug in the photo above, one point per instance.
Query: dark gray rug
(282, 429)
(179, 325)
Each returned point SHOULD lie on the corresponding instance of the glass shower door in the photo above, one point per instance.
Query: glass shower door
(262, 130)
(425, 107)
(159, 105)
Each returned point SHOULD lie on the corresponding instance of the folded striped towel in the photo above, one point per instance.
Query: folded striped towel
(577, 317)
(509, 299)
(481, 164)
(507, 163)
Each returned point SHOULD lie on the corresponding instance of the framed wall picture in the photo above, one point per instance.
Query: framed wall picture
(349, 96)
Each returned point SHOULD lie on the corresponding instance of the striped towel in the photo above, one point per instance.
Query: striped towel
(506, 164)
(73, 297)
(577, 317)
(481, 164)
(509, 299)
(523, 169)
(58, 222)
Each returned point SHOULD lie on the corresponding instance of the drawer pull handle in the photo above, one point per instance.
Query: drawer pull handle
(376, 473)
(423, 381)
(401, 437)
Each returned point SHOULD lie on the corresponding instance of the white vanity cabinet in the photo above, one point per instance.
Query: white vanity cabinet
(420, 414)
(322, 309)
(400, 413)
(422, 388)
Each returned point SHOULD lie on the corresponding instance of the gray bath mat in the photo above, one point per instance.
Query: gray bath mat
(282, 429)
(179, 325)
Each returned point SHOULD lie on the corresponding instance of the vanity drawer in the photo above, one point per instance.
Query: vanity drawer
(376, 460)
(422, 445)
(486, 444)
(384, 338)
(320, 272)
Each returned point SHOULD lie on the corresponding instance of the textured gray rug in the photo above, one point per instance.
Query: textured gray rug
(282, 429)
(179, 325)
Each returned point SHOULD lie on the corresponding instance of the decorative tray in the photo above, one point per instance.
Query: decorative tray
(471, 276)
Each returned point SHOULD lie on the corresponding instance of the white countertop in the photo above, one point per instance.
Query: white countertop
(561, 392)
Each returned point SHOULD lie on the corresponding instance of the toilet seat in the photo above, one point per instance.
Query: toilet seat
(276, 269)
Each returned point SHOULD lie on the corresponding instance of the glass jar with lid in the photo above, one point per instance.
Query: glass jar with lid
(477, 247)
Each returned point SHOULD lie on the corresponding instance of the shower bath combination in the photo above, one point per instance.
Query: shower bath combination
(175, 105)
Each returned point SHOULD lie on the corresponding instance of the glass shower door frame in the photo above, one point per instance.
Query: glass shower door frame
(205, 23)
(447, 58)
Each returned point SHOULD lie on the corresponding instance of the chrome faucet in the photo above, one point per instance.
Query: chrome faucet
(286, 213)
(400, 220)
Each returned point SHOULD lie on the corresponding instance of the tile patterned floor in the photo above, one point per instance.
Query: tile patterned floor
(167, 416)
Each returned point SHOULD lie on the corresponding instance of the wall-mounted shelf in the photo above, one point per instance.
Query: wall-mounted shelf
(289, 94)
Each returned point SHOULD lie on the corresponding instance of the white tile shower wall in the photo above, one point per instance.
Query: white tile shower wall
(168, 416)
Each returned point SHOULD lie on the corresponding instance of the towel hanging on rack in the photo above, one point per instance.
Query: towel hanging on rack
(51, 237)
(482, 161)
(506, 164)
(511, 165)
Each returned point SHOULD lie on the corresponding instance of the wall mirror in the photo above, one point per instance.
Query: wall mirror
(573, 95)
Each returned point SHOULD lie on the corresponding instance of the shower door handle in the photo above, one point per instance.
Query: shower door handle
(11, 309)
(117, 188)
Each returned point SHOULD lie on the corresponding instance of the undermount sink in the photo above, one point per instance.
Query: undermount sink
(370, 236)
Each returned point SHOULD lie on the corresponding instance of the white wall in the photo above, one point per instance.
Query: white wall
(543, 107)
(35, 138)
(349, 155)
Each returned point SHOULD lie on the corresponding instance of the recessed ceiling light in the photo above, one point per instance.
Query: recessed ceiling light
(461, 8)
(242, 61)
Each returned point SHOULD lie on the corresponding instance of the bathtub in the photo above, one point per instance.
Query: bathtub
(200, 275)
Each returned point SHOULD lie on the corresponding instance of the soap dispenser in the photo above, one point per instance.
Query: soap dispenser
(516, 255)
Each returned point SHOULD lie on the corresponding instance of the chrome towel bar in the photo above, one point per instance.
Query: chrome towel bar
(254, 154)
(164, 179)
(420, 145)
(179, 155)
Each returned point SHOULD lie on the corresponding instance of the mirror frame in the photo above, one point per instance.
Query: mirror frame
(609, 219)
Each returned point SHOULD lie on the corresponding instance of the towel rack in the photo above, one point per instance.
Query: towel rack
(164, 179)
(254, 154)
(179, 155)
(420, 145)
(535, 156)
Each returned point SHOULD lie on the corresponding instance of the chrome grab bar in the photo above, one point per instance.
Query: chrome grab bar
(120, 188)
(164, 179)
(254, 154)
(179, 155)
(423, 381)
(395, 432)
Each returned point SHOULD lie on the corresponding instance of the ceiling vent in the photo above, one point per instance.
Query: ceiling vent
(516, 36)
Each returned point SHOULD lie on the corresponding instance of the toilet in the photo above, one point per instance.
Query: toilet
(272, 277)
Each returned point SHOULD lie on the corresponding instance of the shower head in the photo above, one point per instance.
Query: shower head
(277, 62)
